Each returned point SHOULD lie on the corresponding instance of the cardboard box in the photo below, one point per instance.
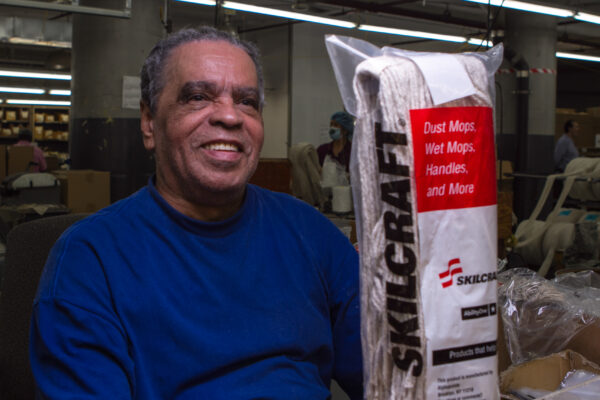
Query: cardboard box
(38, 133)
(63, 117)
(544, 373)
(52, 162)
(23, 114)
(49, 118)
(39, 117)
(11, 115)
(84, 191)
(19, 158)
(584, 342)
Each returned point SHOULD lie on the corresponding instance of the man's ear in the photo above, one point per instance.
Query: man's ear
(147, 126)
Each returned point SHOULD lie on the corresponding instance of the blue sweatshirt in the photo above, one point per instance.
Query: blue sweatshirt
(139, 301)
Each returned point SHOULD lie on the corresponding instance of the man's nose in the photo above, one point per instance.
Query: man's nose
(226, 113)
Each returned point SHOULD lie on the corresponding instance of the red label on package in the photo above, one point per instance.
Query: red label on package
(454, 157)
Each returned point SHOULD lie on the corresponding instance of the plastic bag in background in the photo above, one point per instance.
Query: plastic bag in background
(587, 280)
(423, 179)
(540, 316)
(583, 252)
(333, 173)
(579, 385)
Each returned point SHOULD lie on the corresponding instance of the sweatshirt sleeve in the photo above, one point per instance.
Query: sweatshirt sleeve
(77, 354)
(345, 306)
(78, 349)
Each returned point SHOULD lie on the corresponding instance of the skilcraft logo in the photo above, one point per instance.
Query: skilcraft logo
(450, 272)
(447, 277)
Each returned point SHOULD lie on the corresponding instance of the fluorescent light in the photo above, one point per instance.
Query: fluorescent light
(577, 57)
(201, 2)
(530, 7)
(287, 14)
(480, 42)
(58, 92)
(37, 75)
(5, 89)
(275, 12)
(404, 32)
(594, 19)
(39, 102)
(45, 43)
(327, 21)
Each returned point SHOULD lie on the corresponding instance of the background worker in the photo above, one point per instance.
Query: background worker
(25, 139)
(565, 149)
(341, 130)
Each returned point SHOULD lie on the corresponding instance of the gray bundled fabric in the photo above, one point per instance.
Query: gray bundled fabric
(306, 174)
(387, 88)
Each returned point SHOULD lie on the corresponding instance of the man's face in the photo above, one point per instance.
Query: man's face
(207, 130)
(575, 128)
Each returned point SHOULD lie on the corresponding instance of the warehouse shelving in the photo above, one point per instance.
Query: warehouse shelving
(49, 125)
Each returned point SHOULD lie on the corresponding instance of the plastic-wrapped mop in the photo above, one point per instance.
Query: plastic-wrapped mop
(423, 178)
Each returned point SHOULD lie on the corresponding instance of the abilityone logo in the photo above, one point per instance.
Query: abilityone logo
(450, 272)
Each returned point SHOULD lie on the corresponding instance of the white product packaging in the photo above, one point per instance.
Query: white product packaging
(424, 190)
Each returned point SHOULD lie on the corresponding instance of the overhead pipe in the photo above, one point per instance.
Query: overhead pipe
(70, 8)
(390, 9)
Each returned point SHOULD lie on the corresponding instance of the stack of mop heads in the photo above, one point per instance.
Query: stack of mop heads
(424, 188)
(537, 240)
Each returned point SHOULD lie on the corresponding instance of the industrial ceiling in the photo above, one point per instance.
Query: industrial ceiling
(50, 21)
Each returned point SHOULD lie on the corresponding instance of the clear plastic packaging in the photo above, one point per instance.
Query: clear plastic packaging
(579, 385)
(541, 316)
(422, 165)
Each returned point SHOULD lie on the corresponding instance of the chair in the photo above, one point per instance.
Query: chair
(27, 248)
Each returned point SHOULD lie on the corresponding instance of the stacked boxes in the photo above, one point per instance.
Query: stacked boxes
(84, 191)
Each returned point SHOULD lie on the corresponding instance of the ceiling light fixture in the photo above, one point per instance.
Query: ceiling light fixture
(287, 14)
(201, 2)
(38, 102)
(35, 75)
(594, 19)
(60, 92)
(5, 89)
(35, 42)
(231, 5)
(480, 42)
(404, 32)
(530, 7)
(577, 57)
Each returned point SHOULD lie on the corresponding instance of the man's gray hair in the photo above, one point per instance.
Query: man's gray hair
(152, 74)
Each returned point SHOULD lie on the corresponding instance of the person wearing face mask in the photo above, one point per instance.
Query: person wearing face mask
(341, 129)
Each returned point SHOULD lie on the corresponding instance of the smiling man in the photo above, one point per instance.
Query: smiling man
(200, 285)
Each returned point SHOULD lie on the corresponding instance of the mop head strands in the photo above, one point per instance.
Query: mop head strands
(424, 186)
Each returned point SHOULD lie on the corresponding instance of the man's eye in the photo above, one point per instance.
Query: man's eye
(197, 97)
(249, 102)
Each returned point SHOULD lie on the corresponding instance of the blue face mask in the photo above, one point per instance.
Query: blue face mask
(335, 133)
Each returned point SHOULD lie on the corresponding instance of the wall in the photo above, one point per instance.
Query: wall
(273, 44)
(315, 95)
(314, 91)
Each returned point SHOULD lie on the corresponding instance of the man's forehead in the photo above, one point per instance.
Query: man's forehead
(200, 55)
(216, 86)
